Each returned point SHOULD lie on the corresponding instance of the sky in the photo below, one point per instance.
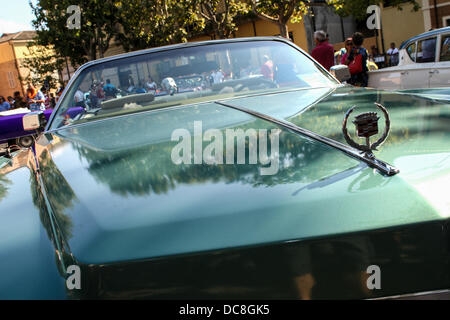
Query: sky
(15, 15)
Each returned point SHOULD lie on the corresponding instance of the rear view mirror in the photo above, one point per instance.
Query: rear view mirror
(34, 121)
(340, 72)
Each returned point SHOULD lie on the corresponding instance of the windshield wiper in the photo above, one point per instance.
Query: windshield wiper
(370, 160)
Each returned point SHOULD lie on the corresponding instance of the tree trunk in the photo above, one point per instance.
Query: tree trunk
(283, 30)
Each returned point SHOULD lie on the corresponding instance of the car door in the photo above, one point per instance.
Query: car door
(418, 75)
(440, 74)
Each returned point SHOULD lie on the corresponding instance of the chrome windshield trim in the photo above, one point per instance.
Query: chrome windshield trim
(371, 162)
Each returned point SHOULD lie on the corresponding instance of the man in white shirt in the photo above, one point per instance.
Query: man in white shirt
(393, 55)
(151, 85)
(79, 98)
(218, 76)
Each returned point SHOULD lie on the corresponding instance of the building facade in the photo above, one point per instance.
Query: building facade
(436, 13)
(13, 50)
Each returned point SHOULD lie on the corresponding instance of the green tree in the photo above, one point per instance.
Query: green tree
(358, 8)
(151, 23)
(280, 12)
(91, 40)
(221, 15)
(45, 65)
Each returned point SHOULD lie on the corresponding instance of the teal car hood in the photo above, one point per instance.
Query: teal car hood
(117, 195)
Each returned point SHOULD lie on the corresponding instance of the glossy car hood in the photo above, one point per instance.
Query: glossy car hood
(418, 142)
(118, 196)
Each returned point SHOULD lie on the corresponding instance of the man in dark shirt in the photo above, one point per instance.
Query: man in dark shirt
(323, 52)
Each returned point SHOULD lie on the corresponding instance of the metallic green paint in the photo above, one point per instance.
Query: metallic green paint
(119, 201)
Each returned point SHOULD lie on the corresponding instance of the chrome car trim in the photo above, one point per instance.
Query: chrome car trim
(371, 161)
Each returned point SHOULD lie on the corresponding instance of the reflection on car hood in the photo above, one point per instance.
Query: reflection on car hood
(127, 200)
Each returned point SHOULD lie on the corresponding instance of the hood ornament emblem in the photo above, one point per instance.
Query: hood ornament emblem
(366, 126)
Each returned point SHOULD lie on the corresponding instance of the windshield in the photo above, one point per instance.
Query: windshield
(184, 76)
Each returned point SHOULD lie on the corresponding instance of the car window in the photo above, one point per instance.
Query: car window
(426, 50)
(186, 75)
(445, 48)
(411, 49)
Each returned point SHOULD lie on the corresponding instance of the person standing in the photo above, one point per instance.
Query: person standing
(357, 62)
(4, 105)
(35, 98)
(109, 89)
(52, 101)
(218, 76)
(79, 98)
(18, 101)
(348, 48)
(323, 52)
(393, 55)
(47, 100)
(267, 68)
(11, 102)
(151, 85)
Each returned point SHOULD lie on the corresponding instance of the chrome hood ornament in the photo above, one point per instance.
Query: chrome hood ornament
(366, 125)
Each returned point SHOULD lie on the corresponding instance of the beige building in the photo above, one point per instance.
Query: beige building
(400, 25)
(13, 49)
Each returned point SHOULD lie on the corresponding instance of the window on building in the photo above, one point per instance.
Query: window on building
(11, 81)
(411, 49)
(445, 48)
(426, 50)
(446, 21)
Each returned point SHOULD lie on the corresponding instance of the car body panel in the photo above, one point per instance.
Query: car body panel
(28, 262)
(118, 173)
(108, 197)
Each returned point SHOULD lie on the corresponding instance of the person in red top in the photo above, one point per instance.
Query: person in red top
(323, 52)
(267, 68)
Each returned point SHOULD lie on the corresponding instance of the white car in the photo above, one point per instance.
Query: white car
(424, 62)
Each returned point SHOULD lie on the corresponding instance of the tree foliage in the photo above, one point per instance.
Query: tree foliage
(44, 64)
(150, 23)
(358, 8)
(281, 12)
(221, 15)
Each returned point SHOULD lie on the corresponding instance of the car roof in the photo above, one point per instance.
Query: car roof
(425, 35)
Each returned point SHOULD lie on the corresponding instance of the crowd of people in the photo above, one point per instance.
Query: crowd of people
(354, 55)
(35, 99)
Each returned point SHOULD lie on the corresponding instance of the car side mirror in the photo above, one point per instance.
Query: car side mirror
(34, 121)
(340, 72)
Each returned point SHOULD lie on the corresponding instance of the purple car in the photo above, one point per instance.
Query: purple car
(12, 132)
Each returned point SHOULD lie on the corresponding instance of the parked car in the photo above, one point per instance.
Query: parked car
(424, 63)
(166, 197)
(12, 133)
(191, 83)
